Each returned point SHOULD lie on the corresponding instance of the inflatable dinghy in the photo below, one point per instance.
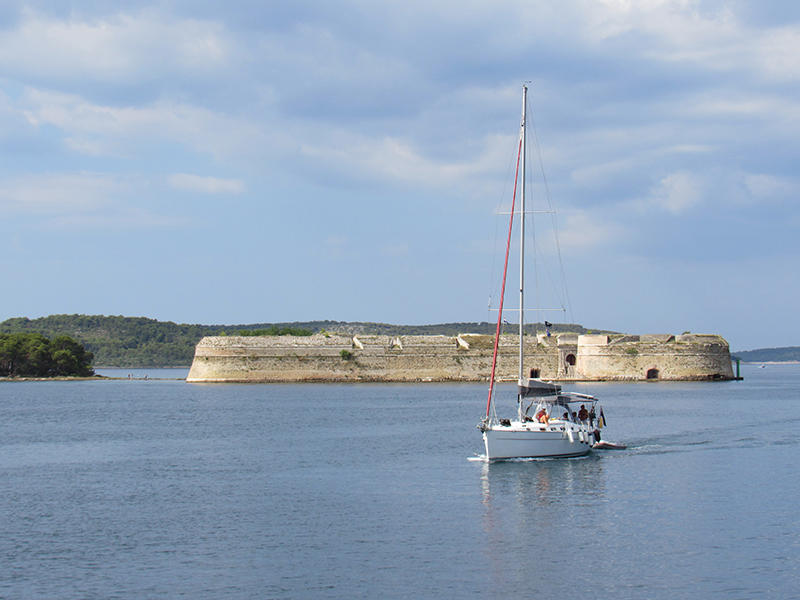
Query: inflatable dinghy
(604, 445)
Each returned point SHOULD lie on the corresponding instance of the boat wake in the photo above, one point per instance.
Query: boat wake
(482, 458)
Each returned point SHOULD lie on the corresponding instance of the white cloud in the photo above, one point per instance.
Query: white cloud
(206, 185)
(58, 193)
(403, 163)
(65, 201)
(102, 130)
(676, 193)
(119, 49)
(713, 37)
(680, 104)
(584, 230)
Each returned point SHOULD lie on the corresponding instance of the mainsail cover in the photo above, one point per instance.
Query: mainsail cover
(537, 388)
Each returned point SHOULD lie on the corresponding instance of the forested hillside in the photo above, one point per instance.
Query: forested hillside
(119, 341)
(788, 354)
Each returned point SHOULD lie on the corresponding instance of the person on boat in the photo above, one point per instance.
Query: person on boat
(592, 417)
(583, 414)
(541, 416)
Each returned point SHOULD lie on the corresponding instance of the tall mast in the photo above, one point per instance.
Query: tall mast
(505, 271)
(522, 237)
(522, 252)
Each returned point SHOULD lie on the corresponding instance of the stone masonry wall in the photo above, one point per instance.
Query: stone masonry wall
(467, 357)
(660, 357)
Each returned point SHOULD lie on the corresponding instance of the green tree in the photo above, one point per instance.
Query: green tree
(70, 358)
(9, 353)
(33, 355)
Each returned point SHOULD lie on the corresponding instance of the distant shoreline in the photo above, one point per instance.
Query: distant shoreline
(106, 378)
(140, 368)
(92, 378)
(772, 362)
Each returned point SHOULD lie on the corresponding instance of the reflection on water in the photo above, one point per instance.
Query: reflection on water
(542, 482)
(541, 492)
(535, 511)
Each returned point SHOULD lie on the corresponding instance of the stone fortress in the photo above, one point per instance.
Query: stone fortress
(332, 357)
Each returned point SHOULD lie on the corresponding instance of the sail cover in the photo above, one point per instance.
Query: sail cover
(537, 387)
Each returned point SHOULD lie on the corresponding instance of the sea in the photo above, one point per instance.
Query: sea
(155, 488)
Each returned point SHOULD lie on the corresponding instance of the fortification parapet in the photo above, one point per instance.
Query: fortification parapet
(657, 338)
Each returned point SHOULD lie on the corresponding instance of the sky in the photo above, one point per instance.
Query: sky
(257, 162)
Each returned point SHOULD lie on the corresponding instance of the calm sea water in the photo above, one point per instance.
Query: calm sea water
(171, 373)
(162, 489)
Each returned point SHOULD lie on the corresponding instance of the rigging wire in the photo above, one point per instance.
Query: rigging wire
(561, 288)
(493, 286)
(505, 273)
(550, 208)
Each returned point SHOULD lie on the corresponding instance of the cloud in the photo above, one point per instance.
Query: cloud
(770, 187)
(58, 193)
(714, 37)
(105, 130)
(206, 185)
(118, 49)
(584, 230)
(404, 164)
(70, 201)
(677, 193)
(351, 103)
(668, 129)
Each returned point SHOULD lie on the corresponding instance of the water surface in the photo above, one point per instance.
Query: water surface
(161, 489)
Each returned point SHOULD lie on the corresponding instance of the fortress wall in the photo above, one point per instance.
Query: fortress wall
(446, 358)
(372, 358)
(664, 357)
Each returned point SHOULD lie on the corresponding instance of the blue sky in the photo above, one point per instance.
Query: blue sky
(250, 161)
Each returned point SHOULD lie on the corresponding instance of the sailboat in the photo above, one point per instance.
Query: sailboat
(547, 424)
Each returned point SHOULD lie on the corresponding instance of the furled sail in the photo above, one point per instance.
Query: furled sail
(537, 388)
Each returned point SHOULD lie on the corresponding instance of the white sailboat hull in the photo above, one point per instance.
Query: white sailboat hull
(528, 441)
